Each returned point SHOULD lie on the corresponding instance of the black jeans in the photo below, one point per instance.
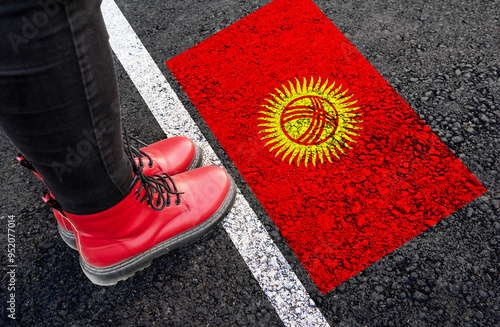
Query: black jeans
(59, 102)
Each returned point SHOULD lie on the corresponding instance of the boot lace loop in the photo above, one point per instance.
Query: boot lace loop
(161, 185)
(137, 153)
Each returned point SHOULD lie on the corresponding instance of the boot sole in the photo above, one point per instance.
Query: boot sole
(197, 159)
(69, 237)
(106, 276)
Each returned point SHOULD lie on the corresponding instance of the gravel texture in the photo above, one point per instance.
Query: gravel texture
(443, 60)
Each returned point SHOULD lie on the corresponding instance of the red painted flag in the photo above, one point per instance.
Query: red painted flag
(344, 167)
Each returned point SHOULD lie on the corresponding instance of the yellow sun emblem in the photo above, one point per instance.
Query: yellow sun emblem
(310, 121)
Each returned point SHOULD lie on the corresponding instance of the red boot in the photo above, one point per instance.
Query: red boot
(160, 214)
(171, 156)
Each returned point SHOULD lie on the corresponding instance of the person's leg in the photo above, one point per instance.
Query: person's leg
(59, 106)
(59, 101)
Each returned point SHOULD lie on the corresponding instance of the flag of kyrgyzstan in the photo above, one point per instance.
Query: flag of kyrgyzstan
(344, 167)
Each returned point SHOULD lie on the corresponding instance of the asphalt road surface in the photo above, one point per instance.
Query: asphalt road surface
(442, 58)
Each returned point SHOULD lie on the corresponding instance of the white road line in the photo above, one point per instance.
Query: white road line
(284, 290)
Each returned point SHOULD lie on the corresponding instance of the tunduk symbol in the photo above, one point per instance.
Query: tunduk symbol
(318, 113)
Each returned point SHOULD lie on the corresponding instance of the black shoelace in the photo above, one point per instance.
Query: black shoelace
(137, 153)
(156, 184)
